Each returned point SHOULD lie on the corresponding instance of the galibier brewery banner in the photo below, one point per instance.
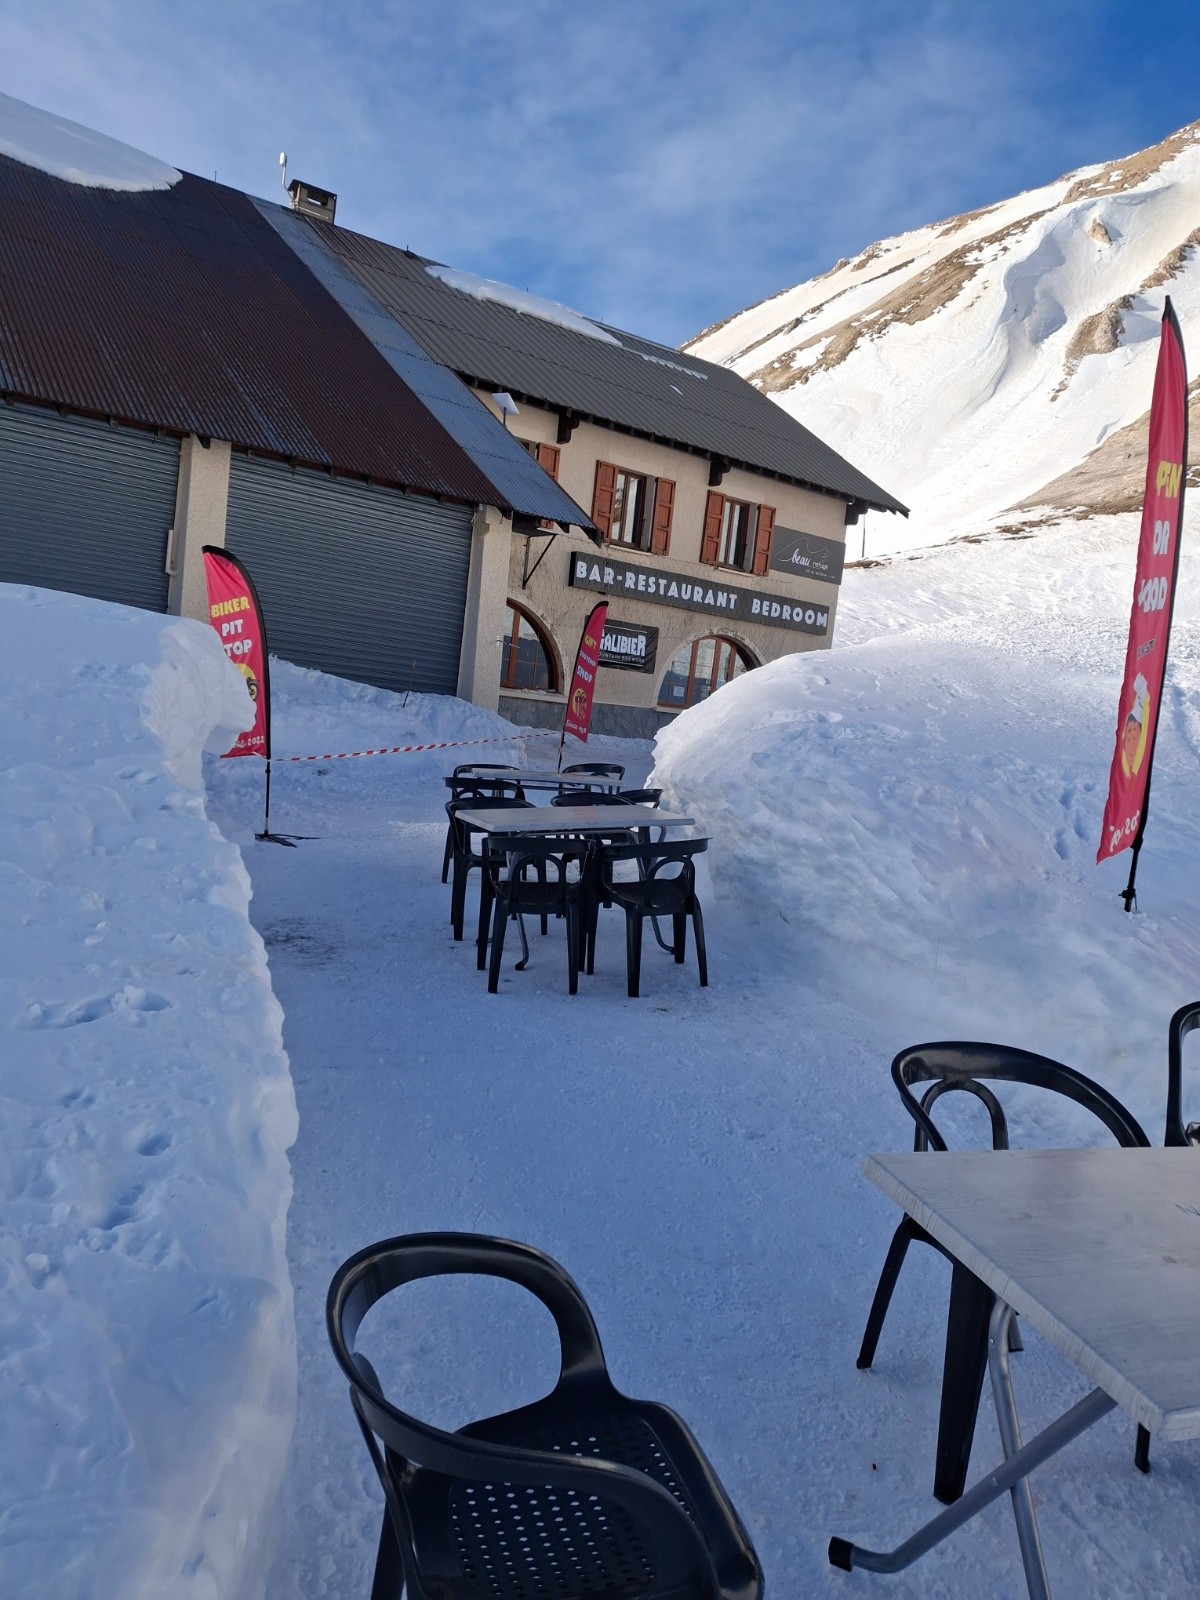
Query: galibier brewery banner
(234, 612)
(1153, 602)
(578, 718)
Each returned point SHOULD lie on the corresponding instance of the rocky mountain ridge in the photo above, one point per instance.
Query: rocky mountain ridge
(994, 369)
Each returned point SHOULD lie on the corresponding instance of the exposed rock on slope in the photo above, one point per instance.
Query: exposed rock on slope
(996, 361)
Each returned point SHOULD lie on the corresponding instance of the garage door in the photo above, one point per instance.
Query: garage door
(85, 506)
(361, 581)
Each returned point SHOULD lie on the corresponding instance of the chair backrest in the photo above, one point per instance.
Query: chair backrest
(959, 1065)
(597, 769)
(510, 859)
(683, 1564)
(653, 861)
(1178, 1132)
(641, 797)
(594, 798)
(498, 788)
(479, 802)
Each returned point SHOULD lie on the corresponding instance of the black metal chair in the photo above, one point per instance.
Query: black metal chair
(959, 1066)
(583, 1495)
(657, 891)
(465, 786)
(536, 876)
(608, 770)
(463, 856)
(1182, 1023)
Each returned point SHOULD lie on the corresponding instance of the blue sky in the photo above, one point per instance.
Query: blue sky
(659, 165)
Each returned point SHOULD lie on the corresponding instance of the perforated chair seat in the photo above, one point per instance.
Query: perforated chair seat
(584, 1495)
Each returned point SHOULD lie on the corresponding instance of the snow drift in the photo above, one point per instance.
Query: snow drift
(145, 1309)
(68, 150)
(914, 817)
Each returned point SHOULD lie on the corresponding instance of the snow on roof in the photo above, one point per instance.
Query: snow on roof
(532, 305)
(80, 155)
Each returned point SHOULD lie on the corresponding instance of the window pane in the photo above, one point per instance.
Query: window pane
(633, 506)
(735, 549)
(525, 664)
(708, 664)
(673, 692)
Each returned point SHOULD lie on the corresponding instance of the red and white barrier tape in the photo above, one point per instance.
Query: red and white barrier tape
(407, 749)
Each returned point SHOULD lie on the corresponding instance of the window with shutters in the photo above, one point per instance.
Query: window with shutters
(527, 661)
(737, 534)
(547, 457)
(700, 669)
(633, 508)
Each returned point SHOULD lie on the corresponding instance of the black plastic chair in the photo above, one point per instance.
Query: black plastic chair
(463, 856)
(583, 1495)
(464, 786)
(1178, 1132)
(596, 769)
(657, 891)
(608, 771)
(959, 1066)
(530, 876)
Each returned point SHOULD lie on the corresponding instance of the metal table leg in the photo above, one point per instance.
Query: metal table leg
(1010, 1438)
(1020, 1461)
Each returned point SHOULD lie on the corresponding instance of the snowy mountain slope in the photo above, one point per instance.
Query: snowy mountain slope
(999, 361)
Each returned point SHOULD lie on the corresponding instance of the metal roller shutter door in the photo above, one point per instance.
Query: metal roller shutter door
(358, 580)
(85, 506)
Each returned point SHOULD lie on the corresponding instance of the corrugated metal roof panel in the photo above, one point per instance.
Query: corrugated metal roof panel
(181, 309)
(508, 465)
(635, 384)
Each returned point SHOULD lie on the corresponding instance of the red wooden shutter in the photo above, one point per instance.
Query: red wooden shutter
(664, 505)
(762, 539)
(604, 497)
(547, 459)
(710, 544)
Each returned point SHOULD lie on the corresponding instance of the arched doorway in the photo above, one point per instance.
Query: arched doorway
(527, 660)
(699, 669)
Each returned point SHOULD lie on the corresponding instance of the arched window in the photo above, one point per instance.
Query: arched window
(698, 669)
(527, 660)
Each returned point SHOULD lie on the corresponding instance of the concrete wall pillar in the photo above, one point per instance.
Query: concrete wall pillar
(485, 622)
(200, 504)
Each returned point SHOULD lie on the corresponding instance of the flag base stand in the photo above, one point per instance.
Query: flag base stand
(279, 838)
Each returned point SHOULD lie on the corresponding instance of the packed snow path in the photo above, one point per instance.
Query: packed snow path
(693, 1160)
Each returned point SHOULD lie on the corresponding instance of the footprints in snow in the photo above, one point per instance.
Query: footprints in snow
(1078, 830)
(131, 1001)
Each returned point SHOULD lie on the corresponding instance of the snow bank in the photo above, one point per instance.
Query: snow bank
(80, 155)
(914, 818)
(148, 1386)
(531, 305)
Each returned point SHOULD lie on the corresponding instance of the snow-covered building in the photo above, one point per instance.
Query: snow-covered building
(173, 375)
(394, 448)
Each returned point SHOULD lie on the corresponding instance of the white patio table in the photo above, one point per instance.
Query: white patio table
(1099, 1251)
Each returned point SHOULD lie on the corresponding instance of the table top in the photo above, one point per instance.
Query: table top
(1098, 1249)
(533, 777)
(570, 819)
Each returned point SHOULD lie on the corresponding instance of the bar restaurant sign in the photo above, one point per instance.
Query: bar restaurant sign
(628, 646)
(655, 584)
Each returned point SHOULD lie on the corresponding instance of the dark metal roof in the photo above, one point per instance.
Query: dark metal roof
(634, 385)
(181, 309)
(508, 465)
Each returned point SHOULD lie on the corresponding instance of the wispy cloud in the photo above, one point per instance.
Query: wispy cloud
(659, 165)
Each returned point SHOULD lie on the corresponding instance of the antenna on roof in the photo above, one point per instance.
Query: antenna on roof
(283, 168)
